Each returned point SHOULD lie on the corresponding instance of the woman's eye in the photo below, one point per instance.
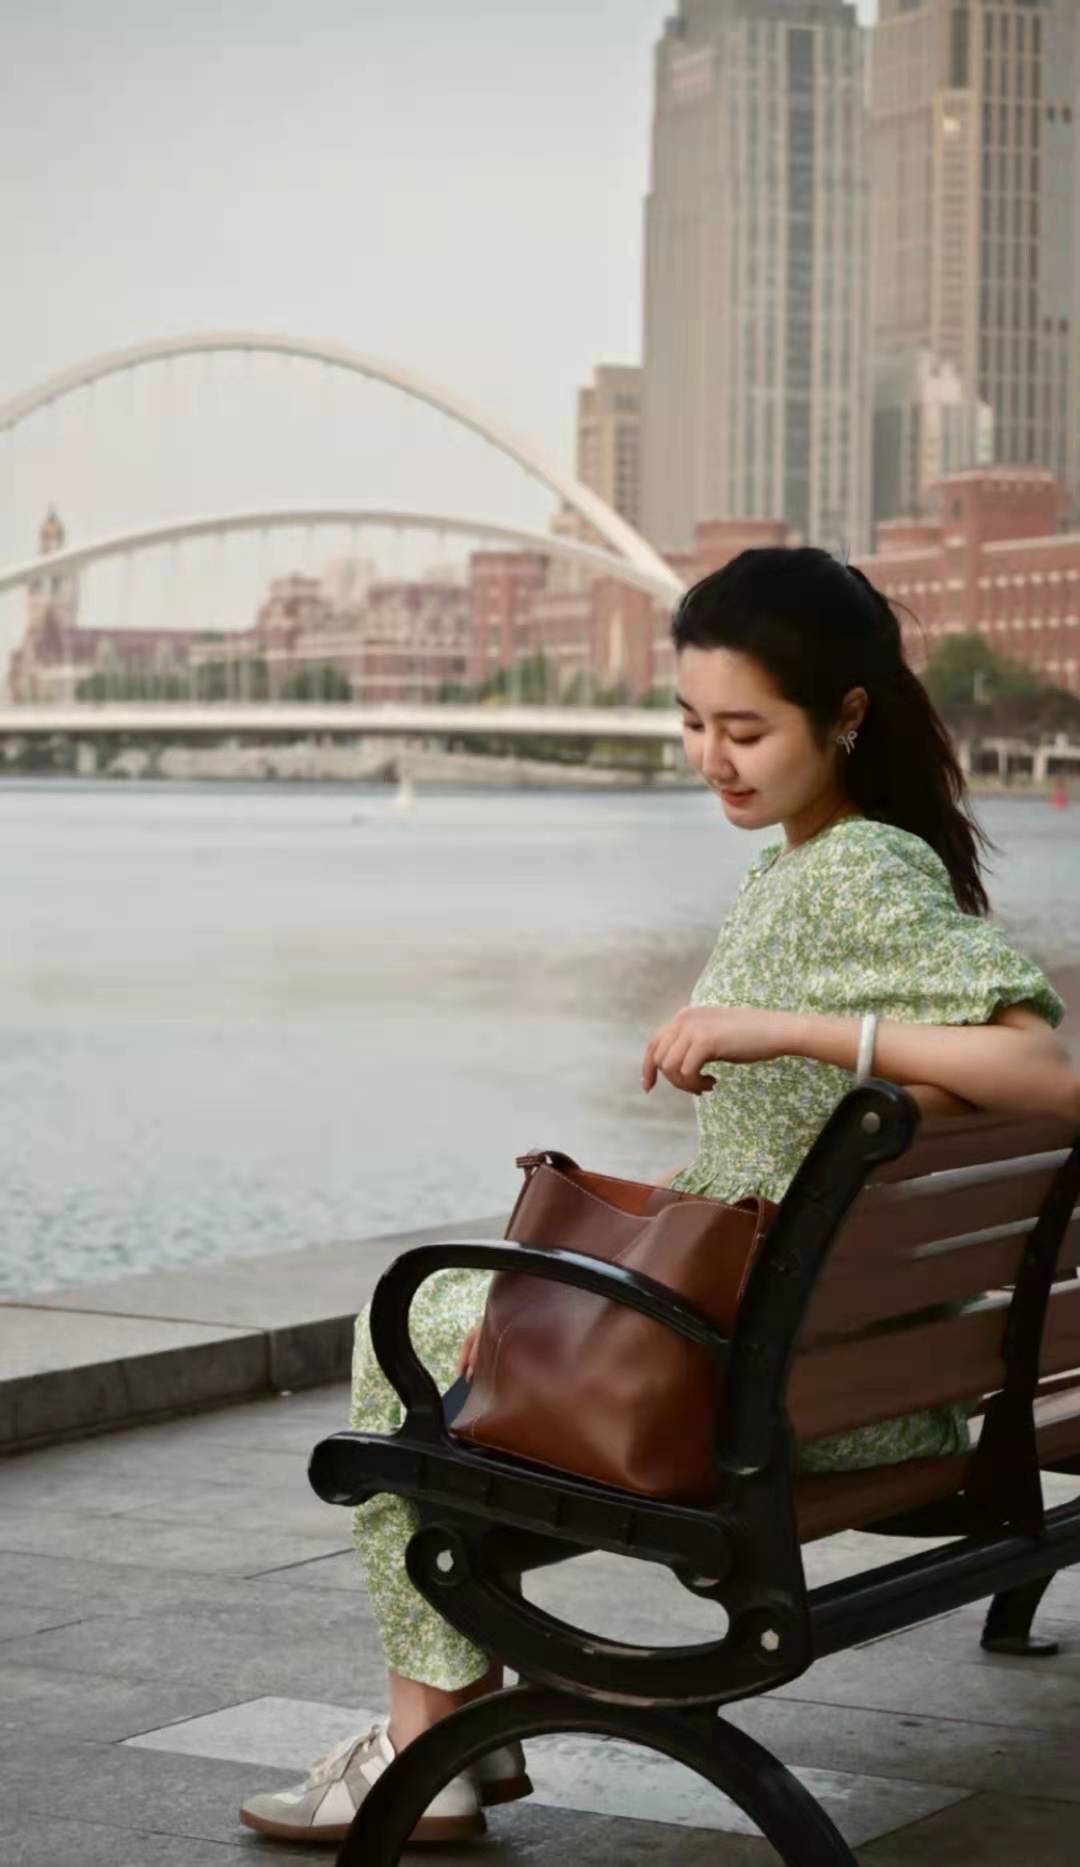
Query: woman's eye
(691, 726)
(747, 742)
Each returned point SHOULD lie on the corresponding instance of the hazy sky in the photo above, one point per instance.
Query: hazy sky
(456, 184)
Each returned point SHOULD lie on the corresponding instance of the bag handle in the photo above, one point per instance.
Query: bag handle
(547, 1157)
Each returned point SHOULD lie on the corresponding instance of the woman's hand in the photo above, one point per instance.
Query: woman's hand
(722, 1034)
(467, 1358)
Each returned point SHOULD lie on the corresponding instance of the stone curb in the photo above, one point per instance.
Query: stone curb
(104, 1356)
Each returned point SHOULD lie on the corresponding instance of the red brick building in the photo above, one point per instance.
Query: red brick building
(989, 560)
(501, 587)
(403, 641)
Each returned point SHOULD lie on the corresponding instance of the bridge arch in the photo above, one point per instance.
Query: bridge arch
(178, 531)
(622, 537)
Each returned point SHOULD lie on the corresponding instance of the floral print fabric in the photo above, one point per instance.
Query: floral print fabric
(861, 918)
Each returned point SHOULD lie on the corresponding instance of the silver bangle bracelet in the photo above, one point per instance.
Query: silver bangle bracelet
(867, 1040)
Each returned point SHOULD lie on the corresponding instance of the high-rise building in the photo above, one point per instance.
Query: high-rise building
(609, 437)
(976, 173)
(756, 382)
(925, 426)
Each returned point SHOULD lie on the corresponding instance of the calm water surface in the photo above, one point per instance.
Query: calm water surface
(242, 1020)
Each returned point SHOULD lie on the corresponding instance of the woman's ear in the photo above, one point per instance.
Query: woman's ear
(854, 710)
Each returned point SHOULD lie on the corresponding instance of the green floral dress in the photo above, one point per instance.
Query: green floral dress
(861, 918)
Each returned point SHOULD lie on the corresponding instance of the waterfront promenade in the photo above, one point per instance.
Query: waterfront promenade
(182, 1622)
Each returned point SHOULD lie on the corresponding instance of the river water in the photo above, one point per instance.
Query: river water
(236, 1020)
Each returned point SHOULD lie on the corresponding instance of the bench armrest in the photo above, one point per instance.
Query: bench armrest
(396, 1288)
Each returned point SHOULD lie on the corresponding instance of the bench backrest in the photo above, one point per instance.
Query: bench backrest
(944, 1225)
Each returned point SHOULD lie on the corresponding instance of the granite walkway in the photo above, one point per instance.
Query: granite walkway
(181, 1623)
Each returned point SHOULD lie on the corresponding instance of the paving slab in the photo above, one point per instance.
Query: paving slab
(1010, 1831)
(1037, 1694)
(146, 1542)
(37, 1842)
(953, 1751)
(44, 1701)
(591, 1776)
(229, 1656)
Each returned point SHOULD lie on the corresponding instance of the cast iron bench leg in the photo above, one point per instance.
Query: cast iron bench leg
(758, 1782)
(1008, 1624)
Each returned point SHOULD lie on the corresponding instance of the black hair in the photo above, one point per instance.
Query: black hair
(819, 628)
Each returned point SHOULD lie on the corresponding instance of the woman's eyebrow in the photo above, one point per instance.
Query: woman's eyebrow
(724, 714)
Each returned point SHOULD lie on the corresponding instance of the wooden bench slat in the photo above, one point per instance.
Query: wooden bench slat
(848, 1500)
(940, 1206)
(840, 1385)
(944, 1143)
(854, 1293)
(825, 1506)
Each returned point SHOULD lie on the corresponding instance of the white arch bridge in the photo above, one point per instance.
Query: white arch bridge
(627, 547)
(621, 553)
(278, 518)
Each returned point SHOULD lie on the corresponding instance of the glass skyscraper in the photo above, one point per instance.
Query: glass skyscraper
(756, 367)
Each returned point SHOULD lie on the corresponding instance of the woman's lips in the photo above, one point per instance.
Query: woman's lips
(736, 797)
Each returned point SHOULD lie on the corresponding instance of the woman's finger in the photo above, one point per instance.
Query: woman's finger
(689, 1075)
(649, 1065)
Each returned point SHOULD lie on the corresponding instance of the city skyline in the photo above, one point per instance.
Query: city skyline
(334, 181)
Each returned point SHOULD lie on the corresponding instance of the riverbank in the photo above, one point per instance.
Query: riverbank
(392, 762)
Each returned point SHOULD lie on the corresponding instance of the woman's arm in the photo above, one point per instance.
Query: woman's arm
(937, 1102)
(1013, 1063)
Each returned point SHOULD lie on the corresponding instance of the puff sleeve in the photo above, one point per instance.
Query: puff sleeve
(884, 934)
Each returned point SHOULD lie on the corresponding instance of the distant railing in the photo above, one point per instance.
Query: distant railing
(83, 719)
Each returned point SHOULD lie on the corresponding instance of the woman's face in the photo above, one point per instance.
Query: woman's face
(754, 749)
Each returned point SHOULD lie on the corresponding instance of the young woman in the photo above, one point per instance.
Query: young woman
(799, 710)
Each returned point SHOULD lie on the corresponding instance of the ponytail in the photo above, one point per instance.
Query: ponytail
(820, 629)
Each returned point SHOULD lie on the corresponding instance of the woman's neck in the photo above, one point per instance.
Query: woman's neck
(814, 821)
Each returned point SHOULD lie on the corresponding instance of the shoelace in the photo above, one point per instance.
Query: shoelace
(326, 1766)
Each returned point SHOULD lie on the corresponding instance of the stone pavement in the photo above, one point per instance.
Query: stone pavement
(182, 1623)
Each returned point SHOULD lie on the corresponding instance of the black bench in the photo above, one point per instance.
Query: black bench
(852, 1314)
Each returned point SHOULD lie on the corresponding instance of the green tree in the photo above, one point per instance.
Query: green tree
(317, 680)
(128, 683)
(966, 671)
(231, 680)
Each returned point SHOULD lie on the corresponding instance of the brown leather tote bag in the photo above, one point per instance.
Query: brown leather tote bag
(583, 1384)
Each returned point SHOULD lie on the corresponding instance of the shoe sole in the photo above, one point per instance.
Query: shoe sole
(433, 1828)
(511, 1789)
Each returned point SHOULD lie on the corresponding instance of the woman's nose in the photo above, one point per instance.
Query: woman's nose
(716, 763)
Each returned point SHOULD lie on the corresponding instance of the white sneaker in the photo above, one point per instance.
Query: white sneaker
(321, 1808)
(502, 1777)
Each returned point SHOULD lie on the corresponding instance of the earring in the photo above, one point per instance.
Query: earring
(847, 740)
